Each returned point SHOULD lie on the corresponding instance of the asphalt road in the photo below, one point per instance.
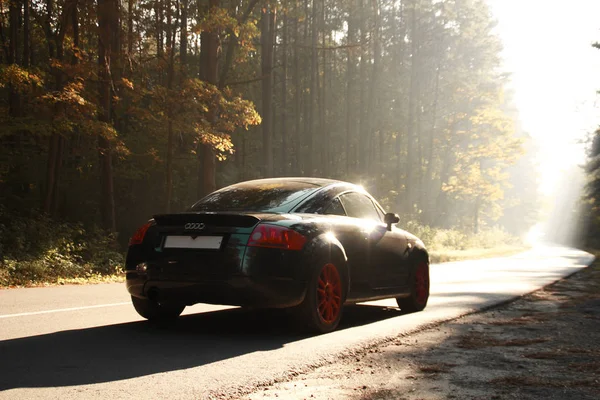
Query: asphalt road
(88, 342)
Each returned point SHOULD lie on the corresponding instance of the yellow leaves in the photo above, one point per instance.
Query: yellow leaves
(69, 102)
(221, 143)
(121, 149)
(216, 20)
(21, 80)
(479, 171)
(492, 119)
(105, 130)
(198, 112)
(127, 83)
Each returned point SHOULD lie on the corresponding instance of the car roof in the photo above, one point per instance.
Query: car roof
(320, 182)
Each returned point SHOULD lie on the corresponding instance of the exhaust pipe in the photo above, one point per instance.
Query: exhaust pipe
(153, 294)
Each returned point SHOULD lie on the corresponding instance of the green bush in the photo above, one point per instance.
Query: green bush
(34, 248)
(454, 239)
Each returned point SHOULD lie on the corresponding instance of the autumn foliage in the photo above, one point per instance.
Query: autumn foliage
(111, 111)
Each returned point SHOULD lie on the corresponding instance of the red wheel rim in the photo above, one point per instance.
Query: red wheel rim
(329, 294)
(422, 282)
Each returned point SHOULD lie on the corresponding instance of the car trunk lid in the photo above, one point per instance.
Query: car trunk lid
(200, 246)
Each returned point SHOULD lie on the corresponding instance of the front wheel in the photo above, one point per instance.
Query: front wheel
(419, 290)
(321, 310)
(154, 311)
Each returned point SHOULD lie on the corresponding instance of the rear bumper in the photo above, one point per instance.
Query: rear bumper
(257, 277)
(236, 291)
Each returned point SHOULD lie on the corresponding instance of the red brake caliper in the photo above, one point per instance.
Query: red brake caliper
(422, 282)
(329, 293)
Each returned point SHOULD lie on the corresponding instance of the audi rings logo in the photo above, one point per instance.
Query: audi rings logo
(194, 226)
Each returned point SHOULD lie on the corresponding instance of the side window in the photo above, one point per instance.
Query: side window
(335, 208)
(358, 205)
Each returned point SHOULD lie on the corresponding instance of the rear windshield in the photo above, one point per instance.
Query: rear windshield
(274, 197)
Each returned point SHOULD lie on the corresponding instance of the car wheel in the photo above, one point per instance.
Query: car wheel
(321, 310)
(419, 290)
(154, 311)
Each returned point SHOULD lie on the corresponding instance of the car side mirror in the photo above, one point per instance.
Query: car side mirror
(389, 219)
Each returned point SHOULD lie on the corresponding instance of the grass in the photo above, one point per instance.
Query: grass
(445, 245)
(448, 255)
(92, 279)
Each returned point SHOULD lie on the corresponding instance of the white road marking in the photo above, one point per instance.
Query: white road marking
(63, 310)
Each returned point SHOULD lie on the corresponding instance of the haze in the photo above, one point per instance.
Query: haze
(467, 118)
(554, 73)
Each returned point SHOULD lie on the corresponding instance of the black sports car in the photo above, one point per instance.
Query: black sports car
(308, 243)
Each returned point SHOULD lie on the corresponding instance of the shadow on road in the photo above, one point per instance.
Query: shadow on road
(129, 350)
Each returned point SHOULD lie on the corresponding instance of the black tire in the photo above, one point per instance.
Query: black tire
(157, 312)
(419, 294)
(321, 310)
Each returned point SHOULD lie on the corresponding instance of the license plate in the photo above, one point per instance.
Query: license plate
(190, 242)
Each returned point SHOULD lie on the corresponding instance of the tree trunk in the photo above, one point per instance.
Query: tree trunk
(334, 150)
(374, 89)
(107, 19)
(130, 4)
(51, 174)
(55, 41)
(411, 125)
(325, 167)
(13, 33)
(169, 166)
(307, 105)
(206, 155)
(267, 30)
(233, 42)
(169, 26)
(5, 51)
(285, 158)
(13, 55)
(441, 200)
(350, 86)
(399, 63)
(297, 95)
(75, 24)
(159, 28)
(314, 88)
(183, 44)
(170, 133)
(363, 129)
(427, 190)
(26, 34)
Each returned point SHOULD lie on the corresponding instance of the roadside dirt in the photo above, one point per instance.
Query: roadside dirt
(545, 345)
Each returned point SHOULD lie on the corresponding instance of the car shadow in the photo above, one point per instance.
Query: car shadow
(128, 350)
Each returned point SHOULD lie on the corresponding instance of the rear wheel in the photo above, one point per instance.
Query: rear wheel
(154, 311)
(419, 290)
(321, 310)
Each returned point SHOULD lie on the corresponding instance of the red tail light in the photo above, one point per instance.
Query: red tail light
(138, 236)
(277, 237)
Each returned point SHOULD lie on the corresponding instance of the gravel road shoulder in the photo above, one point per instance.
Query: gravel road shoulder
(541, 346)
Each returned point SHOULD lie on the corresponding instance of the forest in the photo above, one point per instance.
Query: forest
(114, 110)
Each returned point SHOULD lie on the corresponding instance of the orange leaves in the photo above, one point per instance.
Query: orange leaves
(198, 111)
(127, 83)
(21, 80)
(216, 114)
(216, 20)
(221, 143)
